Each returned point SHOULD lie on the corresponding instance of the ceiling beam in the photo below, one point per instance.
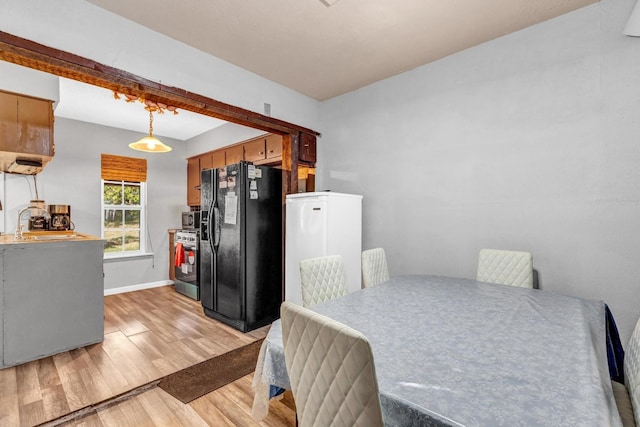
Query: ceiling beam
(30, 54)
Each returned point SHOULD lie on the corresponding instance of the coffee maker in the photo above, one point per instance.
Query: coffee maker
(59, 217)
(38, 219)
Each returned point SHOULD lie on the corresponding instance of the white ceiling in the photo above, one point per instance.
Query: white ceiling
(324, 51)
(318, 50)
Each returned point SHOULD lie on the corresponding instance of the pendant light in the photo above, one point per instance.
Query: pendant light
(150, 144)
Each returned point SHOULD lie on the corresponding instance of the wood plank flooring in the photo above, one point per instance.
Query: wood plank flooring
(148, 334)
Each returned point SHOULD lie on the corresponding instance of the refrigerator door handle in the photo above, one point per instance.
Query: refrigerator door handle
(216, 228)
(208, 225)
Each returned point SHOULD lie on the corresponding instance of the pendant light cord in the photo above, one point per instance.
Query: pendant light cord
(150, 123)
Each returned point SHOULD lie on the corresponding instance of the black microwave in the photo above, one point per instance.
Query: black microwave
(190, 219)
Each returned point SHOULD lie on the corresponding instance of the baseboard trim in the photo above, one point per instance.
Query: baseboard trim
(141, 286)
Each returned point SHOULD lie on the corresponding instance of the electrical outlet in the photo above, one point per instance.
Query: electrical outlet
(267, 109)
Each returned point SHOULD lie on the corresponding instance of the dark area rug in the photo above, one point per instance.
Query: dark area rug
(198, 380)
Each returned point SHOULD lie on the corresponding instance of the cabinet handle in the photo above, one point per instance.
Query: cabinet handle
(271, 151)
(262, 152)
(197, 187)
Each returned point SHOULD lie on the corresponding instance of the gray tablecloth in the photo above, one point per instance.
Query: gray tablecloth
(459, 352)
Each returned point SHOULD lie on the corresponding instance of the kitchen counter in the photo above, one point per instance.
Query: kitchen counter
(51, 294)
(29, 237)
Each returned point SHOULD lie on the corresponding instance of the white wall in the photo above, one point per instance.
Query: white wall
(25, 81)
(73, 178)
(528, 142)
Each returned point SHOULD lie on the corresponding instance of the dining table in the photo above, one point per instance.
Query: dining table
(458, 352)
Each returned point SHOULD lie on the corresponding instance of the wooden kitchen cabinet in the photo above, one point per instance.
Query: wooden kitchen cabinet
(254, 150)
(273, 144)
(193, 181)
(307, 151)
(234, 154)
(206, 161)
(263, 150)
(8, 120)
(26, 125)
(172, 254)
(218, 159)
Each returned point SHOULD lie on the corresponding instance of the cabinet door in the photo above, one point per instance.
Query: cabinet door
(8, 121)
(193, 181)
(234, 154)
(307, 151)
(206, 161)
(254, 150)
(218, 159)
(35, 124)
(274, 146)
(172, 255)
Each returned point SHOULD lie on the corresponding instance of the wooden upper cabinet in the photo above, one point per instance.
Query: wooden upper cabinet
(234, 154)
(35, 126)
(274, 146)
(264, 150)
(206, 161)
(254, 151)
(193, 181)
(307, 152)
(8, 120)
(26, 124)
(218, 159)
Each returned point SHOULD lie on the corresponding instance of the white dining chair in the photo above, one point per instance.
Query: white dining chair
(628, 394)
(513, 268)
(322, 279)
(331, 369)
(374, 267)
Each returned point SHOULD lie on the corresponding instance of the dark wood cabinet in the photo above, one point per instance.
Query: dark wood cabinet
(307, 152)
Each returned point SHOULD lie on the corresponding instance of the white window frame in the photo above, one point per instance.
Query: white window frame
(143, 218)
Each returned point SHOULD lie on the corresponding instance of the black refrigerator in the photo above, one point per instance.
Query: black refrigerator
(241, 244)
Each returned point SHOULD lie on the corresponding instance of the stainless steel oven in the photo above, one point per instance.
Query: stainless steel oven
(187, 263)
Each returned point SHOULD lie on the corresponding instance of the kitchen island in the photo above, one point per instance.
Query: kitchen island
(51, 294)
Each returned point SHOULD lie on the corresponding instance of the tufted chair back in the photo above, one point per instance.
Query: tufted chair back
(322, 279)
(331, 370)
(505, 267)
(374, 267)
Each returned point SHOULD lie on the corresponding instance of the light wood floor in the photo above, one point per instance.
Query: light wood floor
(148, 334)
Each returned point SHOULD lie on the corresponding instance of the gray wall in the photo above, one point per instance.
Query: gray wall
(528, 142)
(73, 178)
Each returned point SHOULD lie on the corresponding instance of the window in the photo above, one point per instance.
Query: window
(124, 205)
(123, 214)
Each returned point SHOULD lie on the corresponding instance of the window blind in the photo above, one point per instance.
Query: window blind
(122, 168)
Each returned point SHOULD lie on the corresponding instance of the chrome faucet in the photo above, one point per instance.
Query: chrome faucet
(19, 226)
